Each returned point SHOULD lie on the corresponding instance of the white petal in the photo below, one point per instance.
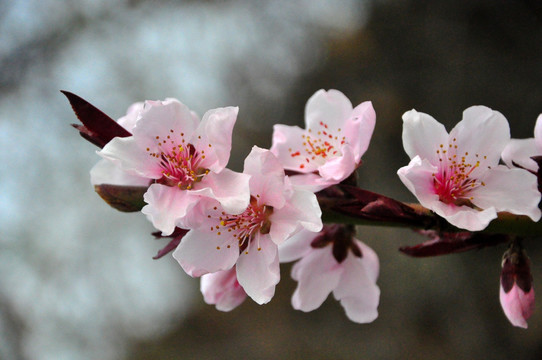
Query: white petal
(465, 217)
(203, 252)
(128, 121)
(484, 132)
(422, 135)
(310, 182)
(267, 177)
(214, 135)
(317, 274)
(330, 107)
(538, 130)
(296, 246)
(370, 261)
(222, 290)
(229, 188)
(258, 271)
(301, 210)
(289, 149)
(512, 190)
(164, 118)
(126, 153)
(418, 178)
(357, 291)
(106, 172)
(339, 168)
(167, 206)
(520, 153)
(359, 128)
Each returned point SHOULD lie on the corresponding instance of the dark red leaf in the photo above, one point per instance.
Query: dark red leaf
(98, 128)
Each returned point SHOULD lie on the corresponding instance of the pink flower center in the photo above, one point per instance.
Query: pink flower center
(318, 148)
(180, 163)
(244, 227)
(453, 182)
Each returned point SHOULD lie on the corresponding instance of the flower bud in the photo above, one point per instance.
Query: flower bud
(517, 292)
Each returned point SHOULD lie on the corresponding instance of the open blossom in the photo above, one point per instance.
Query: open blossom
(458, 175)
(184, 158)
(222, 290)
(516, 291)
(520, 151)
(249, 240)
(330, 148)
(334, 261)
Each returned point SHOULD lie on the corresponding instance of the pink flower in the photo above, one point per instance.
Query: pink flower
(516, 292)
(185, 159)
(519, 151)
(222, 290)
(334, 261)
(276, 212)
(458, 175)
(331, 146)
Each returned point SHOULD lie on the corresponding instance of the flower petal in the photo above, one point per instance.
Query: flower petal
(359, 129)
(288, 148)
(512, 190)
(214, 135)
(520, 152)
(317, 274)
(422, 135)
(296, 246)
(337, 169)
(267, 177)
(126, 153)
(517, 305)
(202, 252)
(370, 260)
(330, 107)
(228, 187)
(128, 121)
(258, 269)
(222, 290)
(310, 182)
(418, 178)
(301, 210)
(484, 132)
(163, 122)
(106, 172)
(357, 291)
(538, 130)
(167, 206)
(465, 217)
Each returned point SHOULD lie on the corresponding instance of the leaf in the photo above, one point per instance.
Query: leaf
(98, 128)
(122, 198)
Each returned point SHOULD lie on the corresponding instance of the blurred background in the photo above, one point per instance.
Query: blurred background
(77, 279)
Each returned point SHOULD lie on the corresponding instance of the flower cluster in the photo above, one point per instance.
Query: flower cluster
(226, 226)
(234, 229)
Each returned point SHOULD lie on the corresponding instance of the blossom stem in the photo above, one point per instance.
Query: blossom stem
(506, 223)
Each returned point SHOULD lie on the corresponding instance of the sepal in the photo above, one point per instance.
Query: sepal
(122, 198)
